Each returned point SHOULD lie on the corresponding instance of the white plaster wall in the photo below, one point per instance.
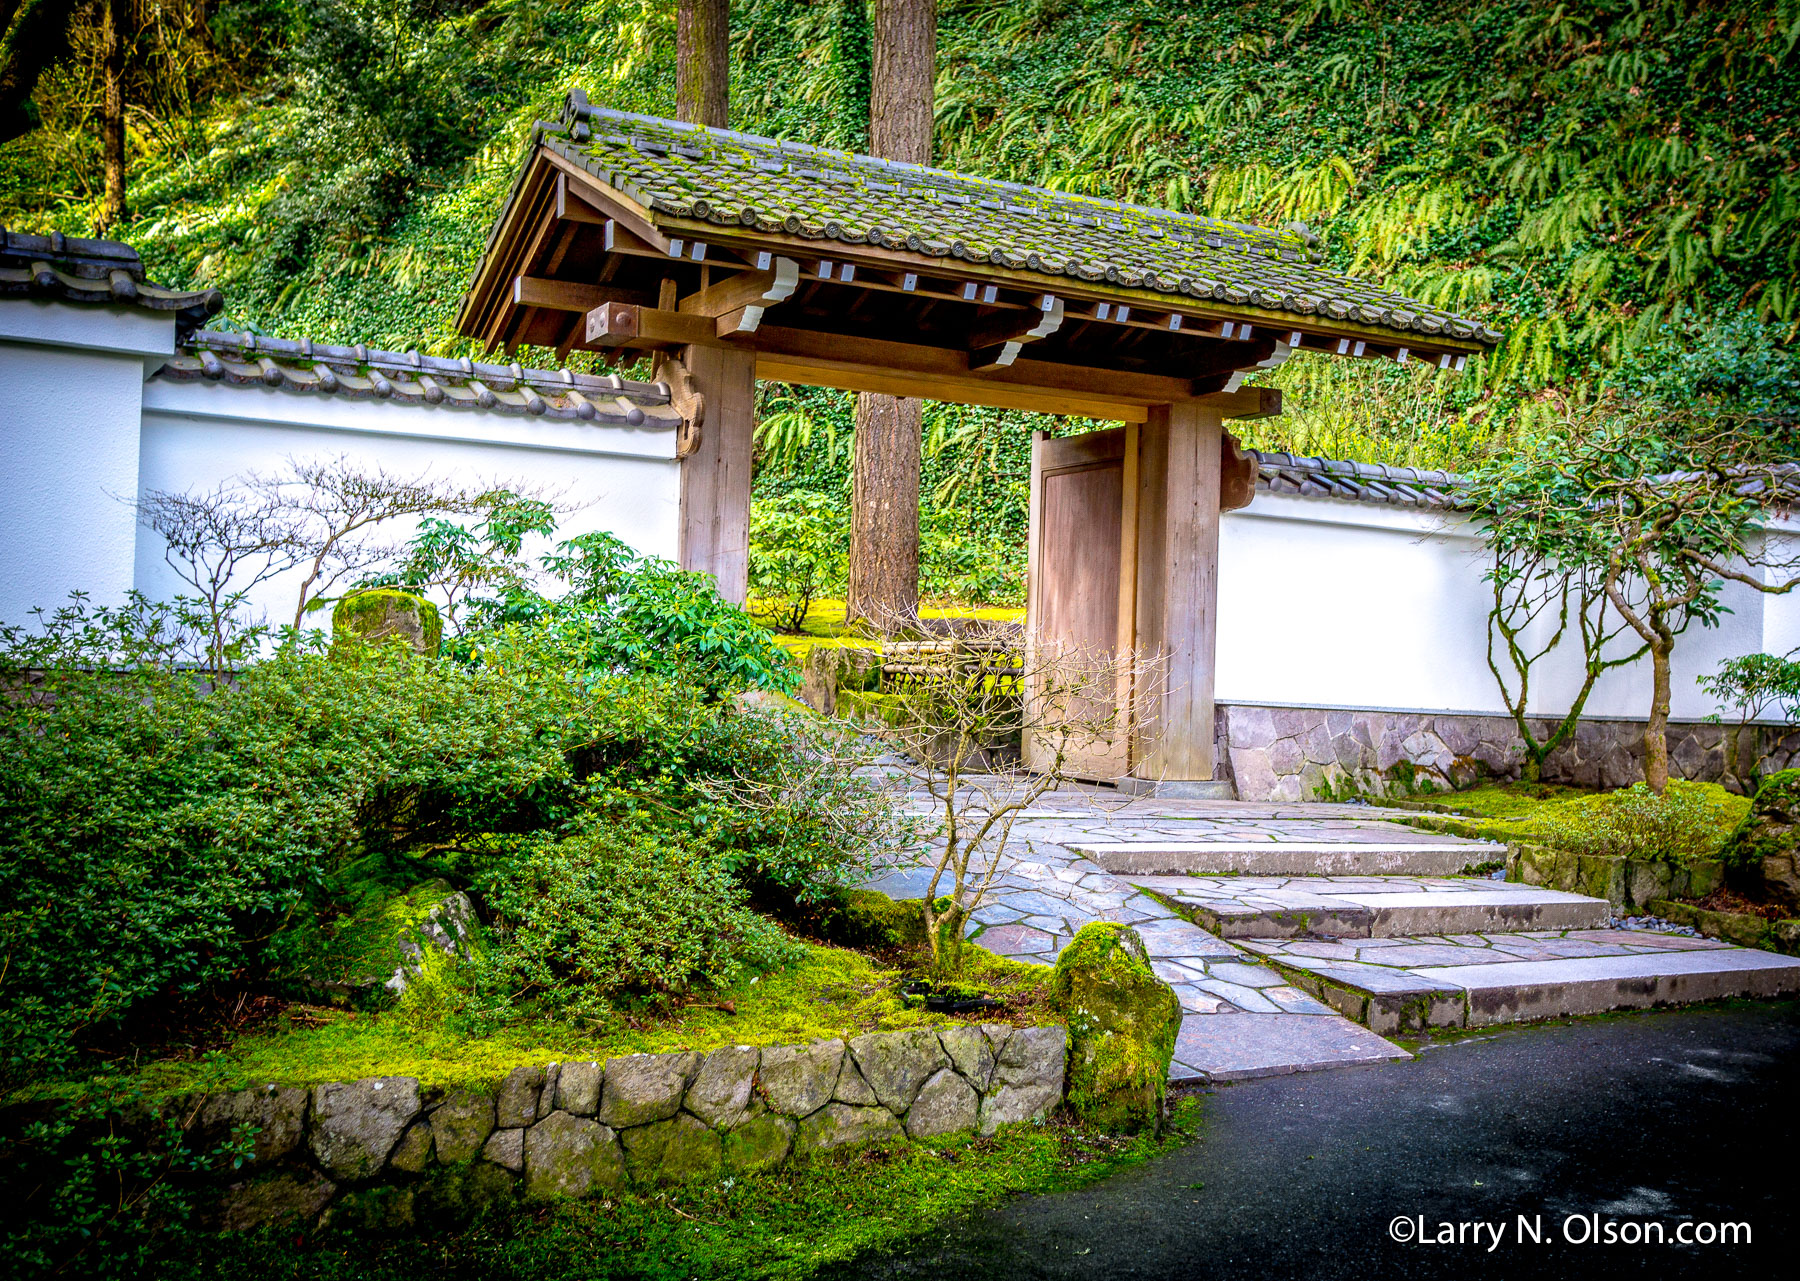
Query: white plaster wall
(71, 383)
(198, 434)
(1332, 603)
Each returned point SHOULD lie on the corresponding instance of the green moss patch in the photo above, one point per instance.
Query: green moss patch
(831, 992)
(1693, 825)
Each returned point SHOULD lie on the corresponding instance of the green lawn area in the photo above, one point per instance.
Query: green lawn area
(832, 992)
(784, 1224)
(1691, 821)
(825, 624)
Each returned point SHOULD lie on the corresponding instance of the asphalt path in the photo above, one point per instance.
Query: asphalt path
(1573, 1144)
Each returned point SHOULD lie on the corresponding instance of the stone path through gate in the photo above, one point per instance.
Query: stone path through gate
(1294, 934)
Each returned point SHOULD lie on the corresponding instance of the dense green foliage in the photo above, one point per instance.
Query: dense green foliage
(166, 835)
(1689, 820)
(1612, 183)
(614, 912)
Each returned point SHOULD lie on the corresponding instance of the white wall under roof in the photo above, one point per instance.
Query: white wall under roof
(623, 480)
(1328, 602)
(71, 387)
(82, 434)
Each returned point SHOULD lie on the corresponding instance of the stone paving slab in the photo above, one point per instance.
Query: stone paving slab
(1479, 980)
(1242, 907)
(1429, 857)
(1237, 1047)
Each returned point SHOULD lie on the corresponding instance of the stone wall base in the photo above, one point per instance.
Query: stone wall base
(1303, 754)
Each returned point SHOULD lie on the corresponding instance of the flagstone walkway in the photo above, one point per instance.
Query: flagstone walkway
(1330, 893)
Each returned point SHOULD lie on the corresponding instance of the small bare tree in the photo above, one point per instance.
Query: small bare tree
(958, 711)
(324, 518)
(336, 509)
(221, 542)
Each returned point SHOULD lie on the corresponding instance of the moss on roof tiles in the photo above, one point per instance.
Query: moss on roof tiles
(728, 178)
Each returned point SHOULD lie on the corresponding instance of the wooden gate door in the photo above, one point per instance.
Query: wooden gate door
(1081, 584)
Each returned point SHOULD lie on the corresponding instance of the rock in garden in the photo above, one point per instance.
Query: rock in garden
(578, 1088)
(1123, 1021)
(384, 614)
(517, 1102)
(678, 1150)
(838, 1125)
(762, 1142)
(382, 1208)
(505, 1148)
(413, 1153)
(460, 1125)
(720, 1093)
(1762, 857)
(452, 1195)
(971, 1053)
(946, 1104)
(896, 1064)
(641, 1088)
(1028, 1077)
(355, 1124)
(279, 1116)
(278, 1197)
(569, 1156)
(798, 1080)
(852, 1089)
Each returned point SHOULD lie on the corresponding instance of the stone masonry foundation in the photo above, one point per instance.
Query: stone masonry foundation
(1298, 753)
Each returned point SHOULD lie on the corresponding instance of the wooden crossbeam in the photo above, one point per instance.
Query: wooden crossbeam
(618, 324)
(567, 295)
(738, 302)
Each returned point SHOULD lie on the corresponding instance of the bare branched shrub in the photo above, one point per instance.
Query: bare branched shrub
(987, 723)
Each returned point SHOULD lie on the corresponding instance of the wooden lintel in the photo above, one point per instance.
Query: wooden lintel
(1245, 402)
(964, 390)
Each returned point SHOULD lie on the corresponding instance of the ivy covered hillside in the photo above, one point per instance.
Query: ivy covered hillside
(1612, 184)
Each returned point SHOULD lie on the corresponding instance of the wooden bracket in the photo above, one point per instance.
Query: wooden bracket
(997, 347)
(685, 399)
(738, 302)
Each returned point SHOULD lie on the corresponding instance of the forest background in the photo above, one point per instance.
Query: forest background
(1613, 183)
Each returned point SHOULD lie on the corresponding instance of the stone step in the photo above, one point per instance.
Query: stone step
(1239, 907)
(1376, 856)
(1480, 980)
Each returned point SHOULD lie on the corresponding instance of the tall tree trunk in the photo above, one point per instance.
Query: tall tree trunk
(1656, 730)
(884, 539)
(112, 133)
(702, 62)
(884, 513)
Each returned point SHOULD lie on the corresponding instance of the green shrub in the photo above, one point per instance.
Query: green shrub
(1688, 821)
(621, 913)
(799, 552)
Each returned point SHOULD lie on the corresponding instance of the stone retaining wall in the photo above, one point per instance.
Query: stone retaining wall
(1290, 753)
(383, 1149)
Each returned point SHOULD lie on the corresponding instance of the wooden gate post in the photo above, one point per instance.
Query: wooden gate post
(1178, 588)
(715, 478)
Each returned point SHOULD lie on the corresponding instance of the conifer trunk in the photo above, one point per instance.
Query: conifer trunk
(702, 62)
(884, 530)
(112, 135)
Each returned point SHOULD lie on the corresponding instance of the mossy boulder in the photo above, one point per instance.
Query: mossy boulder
(1122, 1020)
(1762, 857)
(382, 614)
(870, 919)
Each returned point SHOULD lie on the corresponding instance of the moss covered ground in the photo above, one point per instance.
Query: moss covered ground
(1575, 818)
(786, 1224)
(831, 992)
(825, 624)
